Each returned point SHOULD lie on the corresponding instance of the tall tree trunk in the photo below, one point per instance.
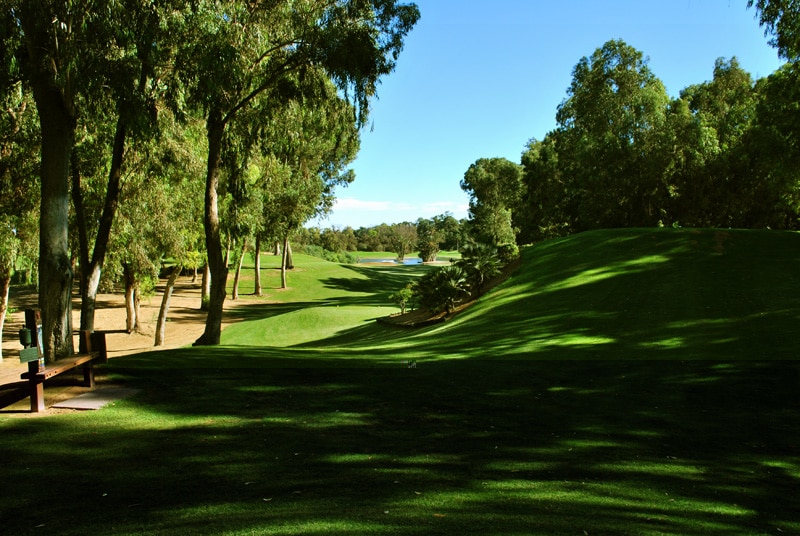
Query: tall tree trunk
(5, 285)
(161, 325)
(52, 91)
(205, 288)
(217, 262)
(131, 320)
(55, 268)
(238, 270)
(91, 270)
(287, 246)
(284, 262)
(257, 283)
(137, 302)
(80, 221)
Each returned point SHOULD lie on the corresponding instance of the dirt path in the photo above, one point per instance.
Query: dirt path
(110, 317)
(185, 324)
(185, 321)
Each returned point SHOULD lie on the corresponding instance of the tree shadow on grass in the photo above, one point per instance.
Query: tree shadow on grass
(452, 447)
(374, 284)
(656, 295)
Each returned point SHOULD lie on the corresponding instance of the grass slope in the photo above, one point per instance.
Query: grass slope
(649, 294)
(634, 294)
(540, 433)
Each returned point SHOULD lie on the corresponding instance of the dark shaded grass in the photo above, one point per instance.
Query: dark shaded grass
(456, 447)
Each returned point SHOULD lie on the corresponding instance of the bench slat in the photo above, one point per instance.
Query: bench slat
(60, 365)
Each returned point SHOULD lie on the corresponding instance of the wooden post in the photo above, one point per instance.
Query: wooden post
(33, 321)
(36, 388)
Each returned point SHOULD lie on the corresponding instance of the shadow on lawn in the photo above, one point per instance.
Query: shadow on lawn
(452, 447)
(375, 282)
(657, 295)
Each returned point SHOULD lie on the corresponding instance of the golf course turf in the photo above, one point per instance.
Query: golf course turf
(620, 382)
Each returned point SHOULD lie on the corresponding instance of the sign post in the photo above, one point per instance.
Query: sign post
(33, 355)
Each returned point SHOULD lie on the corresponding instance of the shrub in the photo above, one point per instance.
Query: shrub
(402, 297)
(442, 289)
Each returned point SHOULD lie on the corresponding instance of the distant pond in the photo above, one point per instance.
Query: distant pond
(407, 260)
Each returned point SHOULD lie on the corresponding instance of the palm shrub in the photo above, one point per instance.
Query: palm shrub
(480, 262)
(442, 289)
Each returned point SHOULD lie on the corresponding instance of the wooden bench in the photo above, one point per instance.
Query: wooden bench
(92, 349)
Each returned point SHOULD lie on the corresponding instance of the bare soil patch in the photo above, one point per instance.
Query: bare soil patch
(184, 325)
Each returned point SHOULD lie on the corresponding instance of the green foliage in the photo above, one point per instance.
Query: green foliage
(496, 189)
(480, 262)
(611, 118)
(342, 257)
(781, 19)
(441, 289)
(403, 237)
(625, 155)
(403, 297)
(429, 239)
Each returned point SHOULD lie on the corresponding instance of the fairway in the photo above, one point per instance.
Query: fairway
(620, 382)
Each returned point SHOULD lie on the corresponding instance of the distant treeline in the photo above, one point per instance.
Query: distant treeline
(426, 236)
(724, 153)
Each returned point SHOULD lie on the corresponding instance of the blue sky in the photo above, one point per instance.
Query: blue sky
(478, 79)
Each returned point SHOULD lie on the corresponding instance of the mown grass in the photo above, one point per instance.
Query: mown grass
(628, 382)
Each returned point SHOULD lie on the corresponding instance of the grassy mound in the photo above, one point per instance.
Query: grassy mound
(626, 382)
(649, 294)
(633, 295)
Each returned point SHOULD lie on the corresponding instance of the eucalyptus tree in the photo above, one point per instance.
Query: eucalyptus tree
(76, 58)
(157, 218)
(451, 231)
(402, 238)
(778, 117)
(773, 144)
(47, 38)
(19, 158)
(131, 76)
(311, 142)
(237, 52)
(722, 190)
(429, 239)
(781, 18)
(611, 120)
(495, 188)
(548, 202)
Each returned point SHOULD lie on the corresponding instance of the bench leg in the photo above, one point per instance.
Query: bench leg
(88, 375)
(37, 396)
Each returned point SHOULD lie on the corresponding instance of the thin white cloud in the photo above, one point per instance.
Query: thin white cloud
(357, 205)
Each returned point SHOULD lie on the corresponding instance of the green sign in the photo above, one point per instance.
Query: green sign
(29, 354)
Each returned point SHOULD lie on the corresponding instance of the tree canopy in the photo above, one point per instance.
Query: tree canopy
(99, 78)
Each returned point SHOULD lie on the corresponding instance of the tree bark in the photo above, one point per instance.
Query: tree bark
(217, 262)
(131, 319)
(161, 325)
(289, 258)
(238, 271)
(91, 270)
(205, 288)
(257, 254)
(284, 262)
(55, 268)
(5, 285)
